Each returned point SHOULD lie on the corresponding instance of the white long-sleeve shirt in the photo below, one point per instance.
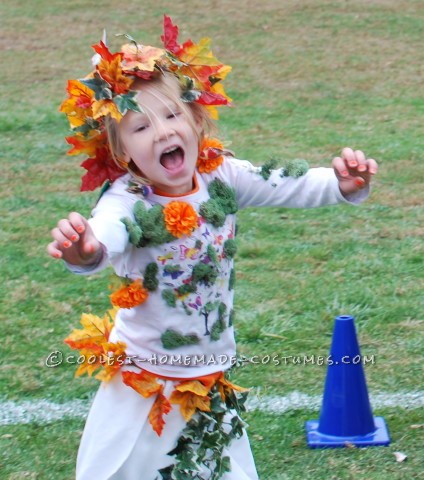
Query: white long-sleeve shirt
(201, 320)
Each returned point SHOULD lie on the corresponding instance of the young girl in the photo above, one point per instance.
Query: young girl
(166, 224)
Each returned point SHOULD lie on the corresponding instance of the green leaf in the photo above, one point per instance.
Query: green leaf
(126, 102)
(101, 88)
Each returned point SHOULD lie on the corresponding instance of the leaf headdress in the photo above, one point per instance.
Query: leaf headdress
(106, 91)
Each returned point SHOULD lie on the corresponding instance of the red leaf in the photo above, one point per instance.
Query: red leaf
(170, 36)
(103, 51)
(99, 169)
(209, 98)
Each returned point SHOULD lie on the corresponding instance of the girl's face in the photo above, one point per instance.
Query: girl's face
(161, 141)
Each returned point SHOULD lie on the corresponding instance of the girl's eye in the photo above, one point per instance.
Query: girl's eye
(173, 115)
(140, 128)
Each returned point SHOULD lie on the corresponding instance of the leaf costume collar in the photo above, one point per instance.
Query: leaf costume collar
(106, 91)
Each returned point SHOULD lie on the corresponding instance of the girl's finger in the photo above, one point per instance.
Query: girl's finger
(372, 166)
(361, 161)
(349, 156)
(53, 250)
(340, 167)
(68, 230)
(78, 222)
(62, 240)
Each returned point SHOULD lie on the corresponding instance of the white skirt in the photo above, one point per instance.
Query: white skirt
(119, 443)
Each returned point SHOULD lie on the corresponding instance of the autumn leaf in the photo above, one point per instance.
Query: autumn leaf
(77, 106)
(170, 36)
(94, 347)
(140, 59)
(94, 333)
(84, 144)
(112, 73)
(92, 362)
(143, 382)
(193, 386)
(112, 360)
(190, 402)
(225, 387)
(102, 108)
(104, 52)
(99, 168)
(160, 408)
(109, 359)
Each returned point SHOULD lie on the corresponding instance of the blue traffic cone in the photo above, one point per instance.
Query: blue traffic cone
(346, 416)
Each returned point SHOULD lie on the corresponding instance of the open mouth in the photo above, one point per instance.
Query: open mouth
(172, 158)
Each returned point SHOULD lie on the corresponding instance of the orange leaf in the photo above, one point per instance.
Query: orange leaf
(160, 408)
(224, 387)
(111, 72)
(109, 357)
(102, 108)
(81, 144)
(94, 334)
(113, 358)
(142, 382)
(193, 386)
(190, 402)
(140, 57)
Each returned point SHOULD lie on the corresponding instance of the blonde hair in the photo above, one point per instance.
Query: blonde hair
(168, 85)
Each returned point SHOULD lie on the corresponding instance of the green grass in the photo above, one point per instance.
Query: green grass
(309, 78)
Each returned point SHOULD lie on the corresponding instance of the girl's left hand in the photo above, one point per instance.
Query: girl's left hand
(353, 170)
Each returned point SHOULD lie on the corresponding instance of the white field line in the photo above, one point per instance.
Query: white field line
(44, 411)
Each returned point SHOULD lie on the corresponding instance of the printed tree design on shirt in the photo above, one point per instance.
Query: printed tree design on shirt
(206, 311)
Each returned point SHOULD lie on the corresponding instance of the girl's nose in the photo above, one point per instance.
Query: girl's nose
(162, 132)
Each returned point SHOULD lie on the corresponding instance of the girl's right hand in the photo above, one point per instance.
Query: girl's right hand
(74, 241)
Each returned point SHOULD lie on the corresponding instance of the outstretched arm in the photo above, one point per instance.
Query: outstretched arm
(75, 242)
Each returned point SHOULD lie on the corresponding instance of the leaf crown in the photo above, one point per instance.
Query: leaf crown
(106, 91)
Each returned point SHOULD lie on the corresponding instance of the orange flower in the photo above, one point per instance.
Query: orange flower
(210, 156)
(180, 218)
(130, 295)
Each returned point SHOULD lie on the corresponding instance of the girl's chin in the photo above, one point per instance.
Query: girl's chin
(177, 185)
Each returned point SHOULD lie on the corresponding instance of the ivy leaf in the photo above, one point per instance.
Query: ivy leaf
(223, 465)
(102, 89)
(187, 462)
(212, 439)
(237, 426)
(216, 404)
(127, 102)
(166, 473)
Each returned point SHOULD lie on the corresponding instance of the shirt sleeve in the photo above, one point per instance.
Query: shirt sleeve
(318, 187)
(106, 221)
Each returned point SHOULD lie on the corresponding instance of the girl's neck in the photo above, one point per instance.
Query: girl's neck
(194, 189)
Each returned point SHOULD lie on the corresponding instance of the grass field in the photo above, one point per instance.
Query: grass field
(309, 77)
